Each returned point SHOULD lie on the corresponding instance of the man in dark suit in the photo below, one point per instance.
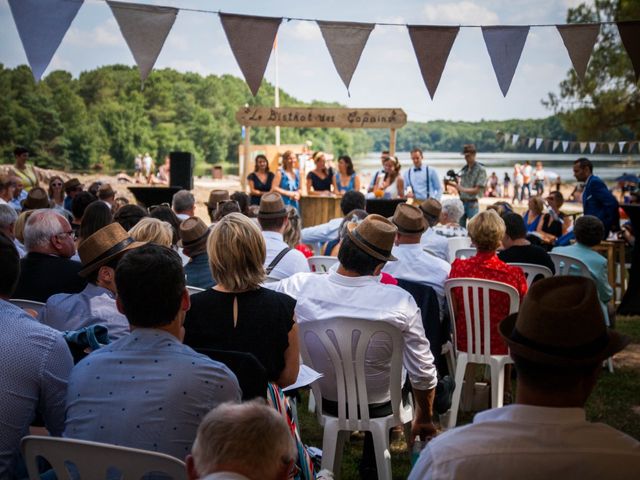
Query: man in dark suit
(47, 268)
(597, 200)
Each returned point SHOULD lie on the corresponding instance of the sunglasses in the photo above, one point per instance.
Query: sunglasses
(56, 184)
(153, 207)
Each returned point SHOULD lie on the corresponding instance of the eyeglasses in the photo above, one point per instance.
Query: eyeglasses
(153, 207)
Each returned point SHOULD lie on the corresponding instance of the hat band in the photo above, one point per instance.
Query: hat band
(272, 214)
(196, 240)
(402, 229)
(581, 351)
(370, 245)
(112, 251)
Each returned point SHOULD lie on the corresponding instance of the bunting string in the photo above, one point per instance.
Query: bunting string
(567, 146)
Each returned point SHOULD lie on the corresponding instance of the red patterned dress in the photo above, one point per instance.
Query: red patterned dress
(487, 266)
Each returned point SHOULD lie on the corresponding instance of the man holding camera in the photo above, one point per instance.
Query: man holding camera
(469, 183)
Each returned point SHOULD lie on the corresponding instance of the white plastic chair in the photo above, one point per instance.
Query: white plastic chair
(566, 265)
(478, 327)
(337, 349)
(93, 459)
(531, 271)
(321, 263)
(455, 244)
(193, 290)
(465, 253)
(27, 304)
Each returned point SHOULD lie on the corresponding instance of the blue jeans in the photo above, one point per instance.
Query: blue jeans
(471, 208)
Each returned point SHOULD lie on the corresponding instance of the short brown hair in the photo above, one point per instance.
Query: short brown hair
(237, 253)
(486, 230)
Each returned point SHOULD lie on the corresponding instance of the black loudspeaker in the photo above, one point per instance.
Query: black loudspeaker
(181, 167)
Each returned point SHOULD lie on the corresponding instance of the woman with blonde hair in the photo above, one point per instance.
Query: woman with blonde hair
(238, 313)
(533, 216)
(293, 233)
(287, 180)
(154, 231)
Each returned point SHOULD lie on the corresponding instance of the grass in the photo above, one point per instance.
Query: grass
(612, 402)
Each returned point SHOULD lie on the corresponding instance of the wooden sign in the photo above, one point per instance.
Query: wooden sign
(322, 117)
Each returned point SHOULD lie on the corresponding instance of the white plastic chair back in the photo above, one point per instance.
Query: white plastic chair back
(93, 460)
(269, 279)
(465, 253)
(24, 304)
(566, 265)
(321, 263)
(193, 290)
(531, 271)
(455, 244)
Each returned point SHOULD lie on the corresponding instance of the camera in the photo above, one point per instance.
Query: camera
(451, 177)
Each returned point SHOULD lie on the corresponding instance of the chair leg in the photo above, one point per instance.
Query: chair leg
(330, 445)
(610, 364)
(381, 447)
(461, 366)
(497, 384)
(341, 439)
(312, 402)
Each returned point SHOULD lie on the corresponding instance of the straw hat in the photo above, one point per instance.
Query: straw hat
(272, 206)
(561, 323)
(409, 219)
(103, 246)
(217, 196)
(192, 231)
(72, 184)
(375, 236)
(469, 148)
(431, 207)
(36, 198)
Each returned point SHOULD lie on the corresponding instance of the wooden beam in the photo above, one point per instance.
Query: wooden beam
(245, 166)
(392, 141)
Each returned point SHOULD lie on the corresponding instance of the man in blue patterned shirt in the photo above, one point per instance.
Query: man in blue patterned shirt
(35, 367)
(147, 390)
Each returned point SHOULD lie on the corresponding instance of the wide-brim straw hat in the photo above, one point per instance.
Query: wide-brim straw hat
(36, 198)
(375, 235)
(192, 232)
(272, 206)
(561, 323)
(409, 219)
(103, 246)
(431, 207)
(217, 196)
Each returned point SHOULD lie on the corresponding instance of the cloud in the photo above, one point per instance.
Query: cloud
(106, 34)
(305, 31)
(465, 12)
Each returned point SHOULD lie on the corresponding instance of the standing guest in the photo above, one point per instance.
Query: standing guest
(327, 232)
(517, 249)
(487, 230)
(374, 180)
(597, 200)
(231, 444)
(493, 185)
(147, 167)
(215, 197)
(452, 211)
(37, 198)
(354, 291)
(183, 204)
(287, 180)
(260, 180)
(193, 238)
(533, 216)
(320, 180)
(8, 218)
(96, 304)
(539, 178)
(391, 185)
(129, 215)
(152, 230)
(238, 313)
(147, 390)
(526, 179)
(72, 187)
(78, 206)
(518, 182)
(107, 195)
(554, 223)
(346, 179)
(281, 261)
(242, 199)
(471, 183)
(545, 433)
(438, 245)
(421, 182)
(505, 185)
(47, 268)
(292, 233)
(96, 216)
(35, 367)
(23, 170)
(56, 192)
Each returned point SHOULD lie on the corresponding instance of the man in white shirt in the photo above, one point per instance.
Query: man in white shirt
(184, 204)
(436, 244)
(326, 232)
(354, 291)
(420, 181)
(282, 261)
(558, 342)
(414, 264)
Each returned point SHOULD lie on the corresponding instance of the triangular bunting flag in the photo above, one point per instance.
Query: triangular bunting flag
(565, 145)
(621, 146)
(579, 41)
(592, 146)
(345, 42)
(145, 29)
(555, 145)
(583, 146)
(630, 35)
(42, 26)
(251, 40)
(432, 45)
(532, 141)
(612, 145)
(515, 138)
(505, 45)
(538, 143)
(506, 137)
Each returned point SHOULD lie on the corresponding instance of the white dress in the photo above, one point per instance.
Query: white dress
(392, 190)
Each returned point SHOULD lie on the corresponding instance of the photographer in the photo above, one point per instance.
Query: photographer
(469, 183)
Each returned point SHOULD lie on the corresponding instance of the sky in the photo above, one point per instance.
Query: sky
(387, 76)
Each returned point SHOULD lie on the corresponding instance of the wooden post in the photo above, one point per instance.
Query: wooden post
(392, 141)
(245, 166)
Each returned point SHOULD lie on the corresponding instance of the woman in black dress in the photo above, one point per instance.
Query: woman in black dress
(260, 180)
(320, 179)
(238, 314)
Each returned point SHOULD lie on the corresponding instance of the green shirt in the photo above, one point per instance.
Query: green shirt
(470, 177)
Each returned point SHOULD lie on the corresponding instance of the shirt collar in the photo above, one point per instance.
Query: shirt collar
(273, 235)
(532, 414)
(94, 290)
(409, 246)
(363, 281)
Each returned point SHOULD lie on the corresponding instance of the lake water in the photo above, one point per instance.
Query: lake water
(607, 167)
